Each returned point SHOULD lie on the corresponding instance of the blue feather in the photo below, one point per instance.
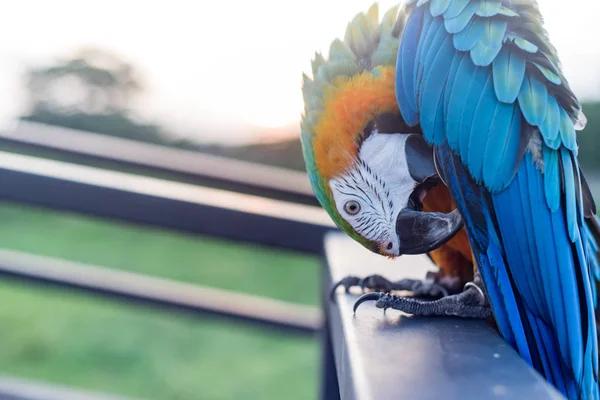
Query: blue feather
(549, 236)
(435, 45)
(531, 198)
(569, 192)
(456, 92)
(466, 39)
(502, 148)
(432, 107)
(548, 74)
(429, 27)
(469, 105)
(525, 45)
(487, 250)
(426, 61)
(490, 44)
(550, 128)
(458, 23)
(438, 7)
(551, 178)
(567, 132)
(523, 251)
(509, 72)
(533, 99)
(436, 31)
(564, 283)
(486, 111)
(405, 88)
(523, 223)
(545, 347)
(456, 61)
(506, 296)
(455, 8)
(489, 8)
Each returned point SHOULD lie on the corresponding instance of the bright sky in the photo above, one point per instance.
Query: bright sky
(218, 68)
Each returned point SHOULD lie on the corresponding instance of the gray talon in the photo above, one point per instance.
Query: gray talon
(468, 304)
(347, 283)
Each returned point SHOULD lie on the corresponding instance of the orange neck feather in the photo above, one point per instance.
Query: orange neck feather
(349, 105)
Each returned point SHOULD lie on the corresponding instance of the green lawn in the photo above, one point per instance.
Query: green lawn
(103, 345)
(98, 344)
(279, 274)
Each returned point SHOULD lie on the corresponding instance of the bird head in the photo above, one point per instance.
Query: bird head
(368, 169)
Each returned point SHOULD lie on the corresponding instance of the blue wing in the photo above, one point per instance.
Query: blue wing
(484, 83)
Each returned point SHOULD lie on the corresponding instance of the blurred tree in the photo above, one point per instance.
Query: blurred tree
(92, 81)
(91, 90)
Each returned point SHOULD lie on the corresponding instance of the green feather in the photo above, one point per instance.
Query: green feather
(366, 44)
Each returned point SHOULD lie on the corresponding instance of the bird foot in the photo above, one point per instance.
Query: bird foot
(433, 287)
(471, 303)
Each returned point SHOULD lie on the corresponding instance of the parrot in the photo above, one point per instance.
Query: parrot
(484, 83)
(481, 83)
(350, 106)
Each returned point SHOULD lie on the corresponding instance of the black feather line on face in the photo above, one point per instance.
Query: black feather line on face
(376, 221)
(386, 123)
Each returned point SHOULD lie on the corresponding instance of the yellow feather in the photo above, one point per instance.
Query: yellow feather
(339, 51)
(373, 15)
(352, 57)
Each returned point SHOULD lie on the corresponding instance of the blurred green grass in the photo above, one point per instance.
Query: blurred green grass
(250, 269)
(87, 342)
(103, 345)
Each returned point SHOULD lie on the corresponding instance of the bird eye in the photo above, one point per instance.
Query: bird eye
(352, 207)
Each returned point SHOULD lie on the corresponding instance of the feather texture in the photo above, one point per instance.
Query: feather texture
(505, 139)
(508, 72)
(490, 44)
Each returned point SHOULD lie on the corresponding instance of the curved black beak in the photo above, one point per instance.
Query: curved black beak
(421, 232)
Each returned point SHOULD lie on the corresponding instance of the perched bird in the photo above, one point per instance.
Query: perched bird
(368, 168)
(483, 82)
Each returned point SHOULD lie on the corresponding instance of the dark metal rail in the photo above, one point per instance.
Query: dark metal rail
(162, 203)
(199, 168)
(22, 389)
(389, 355)
(160, 292)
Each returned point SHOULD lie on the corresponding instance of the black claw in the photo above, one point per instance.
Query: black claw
(363, 284)
(347, 283)
(467, 304)
(376, 283)
(442, 289)
(373, 296)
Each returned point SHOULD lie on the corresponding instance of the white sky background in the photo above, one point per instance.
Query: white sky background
(216, 70)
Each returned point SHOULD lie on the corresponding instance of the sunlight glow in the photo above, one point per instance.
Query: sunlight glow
(215, 68)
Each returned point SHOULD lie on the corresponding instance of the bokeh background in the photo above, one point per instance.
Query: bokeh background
(219, 77)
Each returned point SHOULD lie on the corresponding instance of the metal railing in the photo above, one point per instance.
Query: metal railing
(262, 205)
(387, 355)
(370, 355)
(24, 389)
(196, 167)
(161, 203)
(160, 292)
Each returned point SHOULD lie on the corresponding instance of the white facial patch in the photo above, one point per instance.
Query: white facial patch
(381, 185)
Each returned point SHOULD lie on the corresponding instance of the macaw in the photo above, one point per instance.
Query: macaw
(350, 110)
(483, 82)
(466, 66)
